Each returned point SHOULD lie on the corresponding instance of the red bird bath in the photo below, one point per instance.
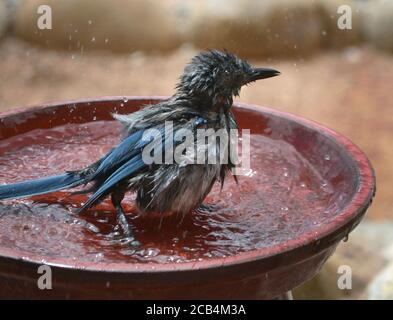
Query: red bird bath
(308, 188)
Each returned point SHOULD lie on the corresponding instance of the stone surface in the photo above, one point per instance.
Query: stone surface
(117, 25)
(256, 28)
(381, 287)
(377, 235)
(332, 36)
(272, 28)
(369, 242)
(378, 23)
(248, 27)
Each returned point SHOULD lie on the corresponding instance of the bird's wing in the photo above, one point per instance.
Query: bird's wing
(126, 150)
(127, 169)
(125, 161)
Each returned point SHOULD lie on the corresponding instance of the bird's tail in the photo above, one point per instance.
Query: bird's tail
(41, 186)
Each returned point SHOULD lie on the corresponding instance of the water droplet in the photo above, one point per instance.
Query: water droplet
(151, 252)
(89, 22)
(94, 118)
(247, 173)
(72, 56)
(327, 157)
(324, 33)
(99, 256)
(93, 39)
(106, 40)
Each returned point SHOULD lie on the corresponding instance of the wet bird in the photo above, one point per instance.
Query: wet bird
(203, 99)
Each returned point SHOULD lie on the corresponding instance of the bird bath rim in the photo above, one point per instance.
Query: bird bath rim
(322, 236)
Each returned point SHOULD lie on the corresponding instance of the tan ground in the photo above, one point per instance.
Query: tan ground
(349, 91)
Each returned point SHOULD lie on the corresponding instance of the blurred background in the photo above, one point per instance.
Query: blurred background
(340, 77)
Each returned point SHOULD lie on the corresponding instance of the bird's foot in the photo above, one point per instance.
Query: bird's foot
(129, 237)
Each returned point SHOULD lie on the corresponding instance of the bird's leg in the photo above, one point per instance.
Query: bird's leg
(117, 197)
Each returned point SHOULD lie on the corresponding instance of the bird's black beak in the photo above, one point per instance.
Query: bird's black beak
(262, 73)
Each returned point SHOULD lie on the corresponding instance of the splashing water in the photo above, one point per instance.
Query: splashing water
(282, 198)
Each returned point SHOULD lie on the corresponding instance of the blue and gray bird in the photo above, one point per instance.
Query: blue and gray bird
(203, 99)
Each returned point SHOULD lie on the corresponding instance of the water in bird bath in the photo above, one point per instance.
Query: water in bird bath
(279, 199)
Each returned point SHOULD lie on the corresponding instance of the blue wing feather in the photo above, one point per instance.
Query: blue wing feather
(125, 161)
(124, 151)
(126, 170)
(40, 186)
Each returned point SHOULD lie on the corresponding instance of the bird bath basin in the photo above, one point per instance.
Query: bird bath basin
(308, 188)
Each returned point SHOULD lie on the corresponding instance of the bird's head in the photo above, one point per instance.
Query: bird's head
(214, 77)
